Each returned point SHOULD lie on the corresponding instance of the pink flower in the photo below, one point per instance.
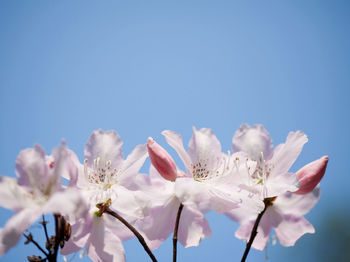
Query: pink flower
(311, 174)
(268, 169)
(37, 191)
(106, 176)
(269, 175)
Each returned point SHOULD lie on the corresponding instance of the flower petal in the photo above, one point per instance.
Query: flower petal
(105, 146)
(16, 226)
(132, 165)
(291, 228)
(299, 205)
(193, 227)
(286, 154)
(31, 168)
(67, 202)
(253, 141)
(277, 185)
(103, 245)
(160, 223)
(175, 141)
(204, 145)
(11, 194)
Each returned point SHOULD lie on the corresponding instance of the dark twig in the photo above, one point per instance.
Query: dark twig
(30, 239)
(268, 202)
(45, 228)
(57, 238)
(106, 209)
(175, 231)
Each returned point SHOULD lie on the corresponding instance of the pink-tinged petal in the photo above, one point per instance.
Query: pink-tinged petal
(16, 226)
(117, 228)
(311, 174)
(80, 232)
(31, 168)
(131, 203)
(264, 229)
(11, 194)
(277, 185)
(205, 196)
(161, 160)
(103, 245)
(286, 154)
(72, 167)
(299, 205)
(67, 202)
(291, 228)
(251, 206)
(107, 146)
(157, 227)
(132, 165)
(253, 141)
(204, 145)
(193, 227)
(175, 141)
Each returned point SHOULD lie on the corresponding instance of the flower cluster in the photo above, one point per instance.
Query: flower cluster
(105, 200)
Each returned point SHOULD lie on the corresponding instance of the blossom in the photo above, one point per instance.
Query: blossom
(267, 168)
(36, 191)
(208, 181)
(105, 177)
(159, 224)
(270, 176)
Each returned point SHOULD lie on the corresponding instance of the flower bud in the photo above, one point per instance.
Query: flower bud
(161, 160)
(311, 174)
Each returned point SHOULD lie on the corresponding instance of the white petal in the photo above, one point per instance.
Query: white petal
(253, 141)
(286, 154)
(16, 226)
(291, 229)
(11, 194)
(103, 245)
(277, 185)
(132, 165)
(175, 141)
(193, 227)
(31, 168)
(106, 146)
(204, 146)
(298, 205)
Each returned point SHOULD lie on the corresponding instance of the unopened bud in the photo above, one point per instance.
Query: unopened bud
(161, 160)
(311, 174)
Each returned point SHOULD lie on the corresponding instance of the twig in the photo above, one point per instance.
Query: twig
(106, 209)
(268, 202)
(45, 229)
(175, 231)
(30, 239)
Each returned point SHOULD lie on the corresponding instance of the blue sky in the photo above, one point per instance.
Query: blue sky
(139, 67)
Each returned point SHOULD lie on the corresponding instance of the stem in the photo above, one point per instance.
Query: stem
(254, 233)
(175, 231)
(45, 229)
(142, 241)
(30, 239)
(53, 258)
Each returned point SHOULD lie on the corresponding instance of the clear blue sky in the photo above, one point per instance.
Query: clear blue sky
(139, 67)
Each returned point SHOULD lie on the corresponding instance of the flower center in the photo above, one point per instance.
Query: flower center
(101, 173)
(202, 172)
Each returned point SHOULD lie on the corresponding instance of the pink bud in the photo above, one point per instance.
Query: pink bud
(161, 160)
(311, 174)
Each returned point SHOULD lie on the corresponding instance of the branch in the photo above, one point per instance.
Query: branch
(30, 239)
(106, 209)
(268, 202)
(175, 231)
